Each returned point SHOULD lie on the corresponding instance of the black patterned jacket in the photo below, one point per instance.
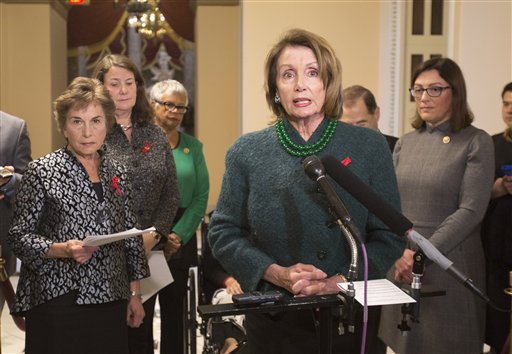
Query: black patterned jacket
(55, 203)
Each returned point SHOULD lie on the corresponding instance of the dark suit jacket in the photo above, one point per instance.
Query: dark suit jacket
(14, 151)
(391, 141)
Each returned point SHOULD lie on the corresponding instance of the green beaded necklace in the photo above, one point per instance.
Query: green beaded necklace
(295, 149)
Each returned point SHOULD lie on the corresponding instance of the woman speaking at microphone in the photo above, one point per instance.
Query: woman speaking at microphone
(271, 228)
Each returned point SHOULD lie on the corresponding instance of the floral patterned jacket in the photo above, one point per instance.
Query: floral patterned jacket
(56, 202)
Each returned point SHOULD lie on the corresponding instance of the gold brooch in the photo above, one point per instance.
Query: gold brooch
(186, 150)
(446, 139)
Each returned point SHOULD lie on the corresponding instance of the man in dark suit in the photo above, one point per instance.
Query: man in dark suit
(15, 154)
(360, 108)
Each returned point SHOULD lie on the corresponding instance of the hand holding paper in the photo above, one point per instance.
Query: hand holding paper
(98, 240)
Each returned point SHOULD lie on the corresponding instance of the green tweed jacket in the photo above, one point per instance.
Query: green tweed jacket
(269, 211)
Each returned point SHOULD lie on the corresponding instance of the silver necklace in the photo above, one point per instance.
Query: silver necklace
(125, 127)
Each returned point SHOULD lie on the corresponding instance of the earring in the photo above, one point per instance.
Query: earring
(277, 99)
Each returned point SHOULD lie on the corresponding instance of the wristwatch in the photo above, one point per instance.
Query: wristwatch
(160, 239)
(156, 236)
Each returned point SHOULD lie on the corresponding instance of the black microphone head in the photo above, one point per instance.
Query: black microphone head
(313, 167)
(397, 222)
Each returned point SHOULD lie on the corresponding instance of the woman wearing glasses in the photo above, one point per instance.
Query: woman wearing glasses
(445, 174)
(170, 103)
(141, 146)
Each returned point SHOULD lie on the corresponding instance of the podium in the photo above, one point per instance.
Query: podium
(324, 303)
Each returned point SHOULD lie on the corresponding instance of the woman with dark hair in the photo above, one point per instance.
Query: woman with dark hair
(497, 230)
(76, 298)
(270, 229)
(140, 145)
(444, 171)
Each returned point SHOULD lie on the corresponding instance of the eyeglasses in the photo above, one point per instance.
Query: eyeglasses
(171, 106)
(433, 91)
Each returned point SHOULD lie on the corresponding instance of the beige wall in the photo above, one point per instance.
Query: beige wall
(232, 42)
(484, 53)
(217, 86)
(352, 28)
(32, 66)
(362, 34)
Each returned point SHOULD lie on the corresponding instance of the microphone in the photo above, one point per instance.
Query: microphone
(396, 221)
(316, 171)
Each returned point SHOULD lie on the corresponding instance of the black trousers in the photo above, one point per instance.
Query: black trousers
(140, 339)
(171, 300)
(497, 322)
(61, 327)
(295, 332)
(172, 314)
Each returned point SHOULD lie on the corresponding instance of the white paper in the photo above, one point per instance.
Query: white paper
(98, 240)
(160, 275)
(380, 292)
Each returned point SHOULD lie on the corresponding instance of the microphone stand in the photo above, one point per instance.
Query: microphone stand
(417, 272)
(349, 295)
(346, 229)
(413, 309)
(315, 170)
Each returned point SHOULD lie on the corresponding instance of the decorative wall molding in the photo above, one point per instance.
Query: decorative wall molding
(196, 3)
(391, 42)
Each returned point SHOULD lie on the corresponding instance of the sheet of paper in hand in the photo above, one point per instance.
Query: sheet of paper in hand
(98, 240)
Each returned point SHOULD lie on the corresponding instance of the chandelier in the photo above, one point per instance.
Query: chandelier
(146, 18)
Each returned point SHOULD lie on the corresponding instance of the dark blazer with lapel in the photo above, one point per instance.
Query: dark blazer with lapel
(14, 151)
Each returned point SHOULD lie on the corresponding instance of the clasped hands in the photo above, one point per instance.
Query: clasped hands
(302, 279)
(173, 245)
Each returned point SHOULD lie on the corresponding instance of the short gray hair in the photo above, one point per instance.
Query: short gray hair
(168, 87)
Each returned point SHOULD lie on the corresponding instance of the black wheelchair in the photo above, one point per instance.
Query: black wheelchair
(200, 290)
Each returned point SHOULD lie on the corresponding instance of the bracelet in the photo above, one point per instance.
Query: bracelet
(133, 293)
(343, 279)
